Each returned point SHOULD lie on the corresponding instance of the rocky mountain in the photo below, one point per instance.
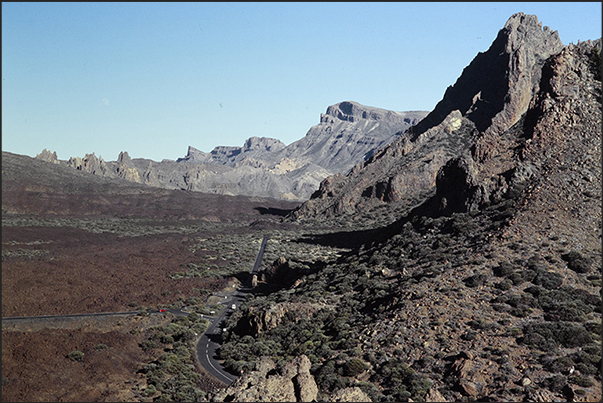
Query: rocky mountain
(347, 133)
(475, 237)
(490, 96)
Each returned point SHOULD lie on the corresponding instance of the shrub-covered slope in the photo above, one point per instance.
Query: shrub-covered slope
(488, 289)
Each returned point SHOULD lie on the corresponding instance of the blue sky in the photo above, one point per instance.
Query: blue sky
(154, 78)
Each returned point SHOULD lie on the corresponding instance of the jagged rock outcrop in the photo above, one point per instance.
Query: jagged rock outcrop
(403, 172)
(227, 155)
(563, 119)
(125, 169)
(349, 394)
(261, 319)
(293, 383)
(47, 156)
(93, 165)
(348, 133)
(495, 89)
(492, 94)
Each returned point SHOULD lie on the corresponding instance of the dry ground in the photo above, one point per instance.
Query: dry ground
(74, 243)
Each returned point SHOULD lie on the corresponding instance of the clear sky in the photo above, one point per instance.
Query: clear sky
(153, 78)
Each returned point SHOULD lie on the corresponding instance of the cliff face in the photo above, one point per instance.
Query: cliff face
(492, 94)
(265, 167)
(561, 129)
(495, 89)
(347, 134)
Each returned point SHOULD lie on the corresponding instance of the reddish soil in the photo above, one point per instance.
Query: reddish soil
(35, 366)
(80, 272)
(51, 267)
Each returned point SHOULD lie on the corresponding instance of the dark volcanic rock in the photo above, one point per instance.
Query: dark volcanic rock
(495, 89)
(492, 94)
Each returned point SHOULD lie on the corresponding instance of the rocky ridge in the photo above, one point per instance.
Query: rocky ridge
(489, 97)
(347, 133)
(486, 286)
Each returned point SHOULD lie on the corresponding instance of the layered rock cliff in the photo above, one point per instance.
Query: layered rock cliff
(347, 133)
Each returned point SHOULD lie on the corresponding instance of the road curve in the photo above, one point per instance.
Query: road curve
(208, 342)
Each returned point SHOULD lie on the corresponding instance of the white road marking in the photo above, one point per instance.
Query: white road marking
(217, 370)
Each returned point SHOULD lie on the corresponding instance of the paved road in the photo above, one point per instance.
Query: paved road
(75, 315)
(175, 312)
(208, 343)
(258, 258)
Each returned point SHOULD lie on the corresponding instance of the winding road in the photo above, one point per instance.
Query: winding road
(208, 342)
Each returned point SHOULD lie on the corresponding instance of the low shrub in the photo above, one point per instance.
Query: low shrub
(76, 355)
(582, 380)
(354, 367)
(475, 280)
(150, 391)
(504, 284)
(577, 262)
(503, 269)
(549, 335)
(555, 383)
(548, 279)
(557, 364)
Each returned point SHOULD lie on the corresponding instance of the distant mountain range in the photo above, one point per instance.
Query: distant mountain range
(348, 133)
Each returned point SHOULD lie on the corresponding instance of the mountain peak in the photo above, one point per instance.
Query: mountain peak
(495, 89)
(351, 111)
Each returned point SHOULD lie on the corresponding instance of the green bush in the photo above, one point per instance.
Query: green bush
(475, 280)
(548, 279)
(371, 390)
(76, 355)
(150, 391)
(549, 335)
(555, 383)
(504, 284)
(557, 364)
(577, 262)
(166, 339)
(587, 369)
(354, 367)
(101, 347)
(148, 344)
(582, 380)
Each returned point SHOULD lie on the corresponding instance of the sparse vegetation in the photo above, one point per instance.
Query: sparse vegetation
(173, 375)
(577, 262)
